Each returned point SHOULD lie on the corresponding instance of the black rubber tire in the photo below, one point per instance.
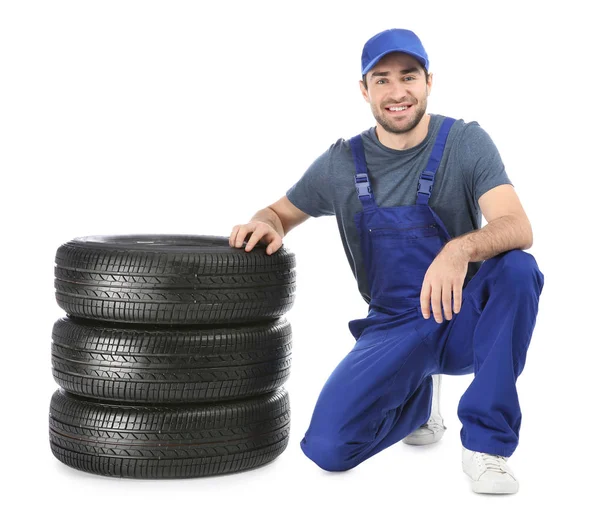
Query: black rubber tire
(167, 364)
(167, 441)
(172, 279)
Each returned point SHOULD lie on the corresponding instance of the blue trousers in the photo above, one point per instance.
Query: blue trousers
(382, 390)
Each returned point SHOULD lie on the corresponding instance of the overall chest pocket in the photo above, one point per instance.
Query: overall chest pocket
(401, 256)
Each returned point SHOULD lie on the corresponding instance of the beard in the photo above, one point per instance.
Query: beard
(390, 125)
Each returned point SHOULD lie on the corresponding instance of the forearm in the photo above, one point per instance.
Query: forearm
(498, 236)
(269, 216)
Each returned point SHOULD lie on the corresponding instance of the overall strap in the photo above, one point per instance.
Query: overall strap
(361, 180)
(428, 175)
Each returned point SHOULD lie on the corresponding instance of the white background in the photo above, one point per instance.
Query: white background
(122, 117)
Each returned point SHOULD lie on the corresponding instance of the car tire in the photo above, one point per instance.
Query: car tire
(168, 441)
(172, 279)
(170, 364)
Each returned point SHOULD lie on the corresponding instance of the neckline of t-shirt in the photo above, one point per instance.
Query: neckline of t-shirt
(433, 124)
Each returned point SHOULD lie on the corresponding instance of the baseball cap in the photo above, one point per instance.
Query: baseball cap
(394, 39)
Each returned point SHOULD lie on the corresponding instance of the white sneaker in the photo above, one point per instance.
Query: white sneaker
(433, 430)
(489, 473)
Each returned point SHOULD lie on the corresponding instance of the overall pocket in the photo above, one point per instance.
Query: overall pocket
(401, 256)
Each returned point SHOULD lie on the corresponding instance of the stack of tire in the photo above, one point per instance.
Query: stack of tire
(172, 355)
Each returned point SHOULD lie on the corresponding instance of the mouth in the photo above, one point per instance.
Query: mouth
(398, 110)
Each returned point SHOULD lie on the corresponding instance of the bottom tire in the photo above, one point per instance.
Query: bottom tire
(168, 441)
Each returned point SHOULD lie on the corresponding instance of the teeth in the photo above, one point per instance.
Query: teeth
(398, 109)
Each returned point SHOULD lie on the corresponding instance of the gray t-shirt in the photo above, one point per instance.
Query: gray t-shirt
(470, 166)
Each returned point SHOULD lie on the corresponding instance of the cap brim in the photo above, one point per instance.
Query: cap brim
(372, 63)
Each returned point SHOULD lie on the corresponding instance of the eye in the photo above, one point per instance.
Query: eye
(412, 77)
(379, 80)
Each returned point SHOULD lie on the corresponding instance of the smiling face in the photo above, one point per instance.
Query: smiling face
(397, 92)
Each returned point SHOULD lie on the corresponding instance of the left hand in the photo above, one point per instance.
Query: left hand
(443, 281)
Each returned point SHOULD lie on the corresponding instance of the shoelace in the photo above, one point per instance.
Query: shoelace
(432, 424)
(493, 462)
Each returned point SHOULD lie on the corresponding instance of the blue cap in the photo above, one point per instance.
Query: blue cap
(394, 39)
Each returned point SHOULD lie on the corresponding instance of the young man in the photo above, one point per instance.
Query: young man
(408, 195)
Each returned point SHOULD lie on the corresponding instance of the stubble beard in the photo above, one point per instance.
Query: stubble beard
(392, 127)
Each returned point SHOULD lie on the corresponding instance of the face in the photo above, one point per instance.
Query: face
(390, 85)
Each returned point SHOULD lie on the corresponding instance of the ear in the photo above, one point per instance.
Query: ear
(429, 83)
(363, 91)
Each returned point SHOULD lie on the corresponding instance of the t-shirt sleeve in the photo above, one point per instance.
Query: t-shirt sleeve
(312, 193)
(480, 161)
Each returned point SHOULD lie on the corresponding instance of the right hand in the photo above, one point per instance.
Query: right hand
(262, 231)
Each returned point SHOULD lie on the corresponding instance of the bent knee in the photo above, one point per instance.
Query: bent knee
(522, 269)
(329, 455)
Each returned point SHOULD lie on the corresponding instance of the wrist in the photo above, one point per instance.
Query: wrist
(462, 247)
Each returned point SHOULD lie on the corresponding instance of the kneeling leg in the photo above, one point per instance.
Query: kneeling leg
(376, 396)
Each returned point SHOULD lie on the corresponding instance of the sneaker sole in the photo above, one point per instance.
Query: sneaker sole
(494, 488)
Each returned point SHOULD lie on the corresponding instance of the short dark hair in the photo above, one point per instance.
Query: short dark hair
(364, 78)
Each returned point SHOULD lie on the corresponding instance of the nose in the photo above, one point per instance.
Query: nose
(398, 91)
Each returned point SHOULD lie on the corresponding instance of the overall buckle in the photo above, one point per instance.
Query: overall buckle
(363, 187)
(425, 183)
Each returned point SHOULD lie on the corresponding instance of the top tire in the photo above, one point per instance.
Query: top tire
(172, 279)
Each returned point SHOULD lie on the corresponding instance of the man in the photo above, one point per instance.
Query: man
(408, 195)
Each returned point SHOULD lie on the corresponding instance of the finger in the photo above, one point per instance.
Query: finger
(241, 235)
(436, 297)
(447, 299)
(457, 297)
(233, 234)
(254, 238)
(274, 245)
(425, 299)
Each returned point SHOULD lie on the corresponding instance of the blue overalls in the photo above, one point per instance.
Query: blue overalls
(382, 390)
